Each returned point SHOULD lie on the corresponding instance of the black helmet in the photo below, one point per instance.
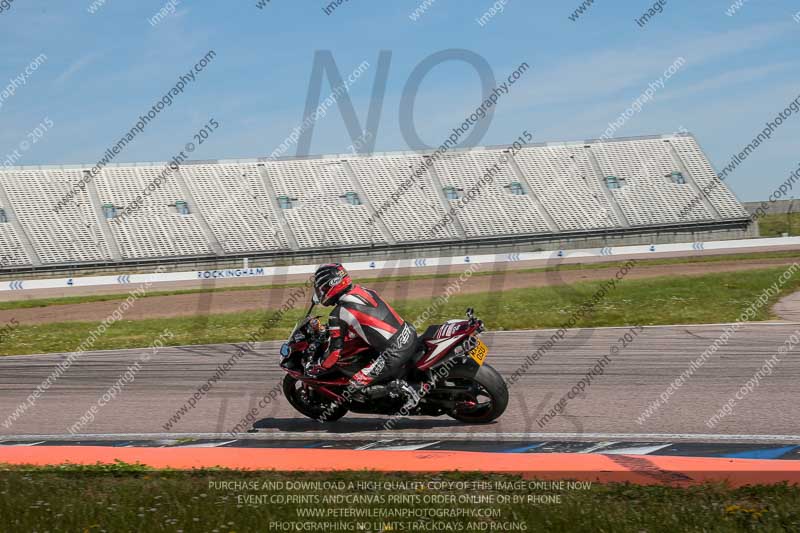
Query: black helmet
(330, 282)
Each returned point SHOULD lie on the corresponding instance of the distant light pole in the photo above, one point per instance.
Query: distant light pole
(789, 217)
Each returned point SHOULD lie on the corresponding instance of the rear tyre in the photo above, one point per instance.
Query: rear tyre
(311, 403)
(488, 397)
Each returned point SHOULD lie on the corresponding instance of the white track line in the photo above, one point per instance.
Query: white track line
(405, 447)
(597, 446)
(636, 450)
(488, 436)
(371, 445)
(205, 444)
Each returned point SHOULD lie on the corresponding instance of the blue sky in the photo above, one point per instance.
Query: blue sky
(105, 69)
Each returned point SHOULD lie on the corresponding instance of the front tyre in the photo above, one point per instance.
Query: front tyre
(311, 403)
(487, 398)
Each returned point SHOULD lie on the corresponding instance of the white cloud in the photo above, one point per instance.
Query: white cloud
(731, 79)
(76, 66)
(606, 72)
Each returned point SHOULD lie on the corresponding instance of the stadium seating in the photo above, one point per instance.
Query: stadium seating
(11, 250)
(495, 209)
(320, 214)
(338, 202)
(415, 214)
(700, 168)
(236, 205)
(156, 229)
(562, 178)
(67, 236)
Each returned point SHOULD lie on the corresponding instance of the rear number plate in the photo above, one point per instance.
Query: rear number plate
(479, 352)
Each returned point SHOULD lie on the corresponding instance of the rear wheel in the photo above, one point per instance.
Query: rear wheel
(311, 403)
(487, 396)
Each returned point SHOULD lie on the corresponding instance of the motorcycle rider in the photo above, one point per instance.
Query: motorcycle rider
(362, 320)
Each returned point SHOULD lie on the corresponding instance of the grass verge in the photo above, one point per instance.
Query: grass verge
(778, 224)
(710, 298)
(131, 498)
(47, 302)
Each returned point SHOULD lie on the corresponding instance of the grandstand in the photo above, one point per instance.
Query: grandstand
(544, 196)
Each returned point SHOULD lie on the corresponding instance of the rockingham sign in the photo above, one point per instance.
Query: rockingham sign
(230, 273)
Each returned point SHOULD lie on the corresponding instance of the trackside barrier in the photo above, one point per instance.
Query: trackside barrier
(692, 248)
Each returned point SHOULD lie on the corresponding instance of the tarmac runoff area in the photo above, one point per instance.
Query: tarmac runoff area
(610, 408)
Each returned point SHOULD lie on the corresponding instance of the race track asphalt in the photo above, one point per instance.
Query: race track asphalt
(633, 379)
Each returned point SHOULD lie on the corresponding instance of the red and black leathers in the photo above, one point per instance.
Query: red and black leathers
(362, 321)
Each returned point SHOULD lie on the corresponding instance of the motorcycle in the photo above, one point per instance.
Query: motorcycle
(449, 363)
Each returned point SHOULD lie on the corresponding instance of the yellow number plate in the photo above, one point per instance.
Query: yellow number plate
(479, 352)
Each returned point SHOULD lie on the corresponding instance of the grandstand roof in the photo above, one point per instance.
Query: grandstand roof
(87, 166)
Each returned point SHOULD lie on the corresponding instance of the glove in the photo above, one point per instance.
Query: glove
(313, 369)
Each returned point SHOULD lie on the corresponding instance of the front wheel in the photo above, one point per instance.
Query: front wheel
(311, 403)
(487, 398)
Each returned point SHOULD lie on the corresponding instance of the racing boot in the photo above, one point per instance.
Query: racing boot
(410, 392)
